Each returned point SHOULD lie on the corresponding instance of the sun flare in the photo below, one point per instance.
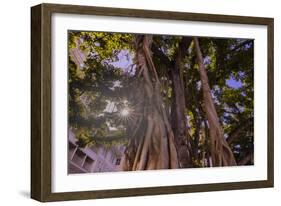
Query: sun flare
(125, 112)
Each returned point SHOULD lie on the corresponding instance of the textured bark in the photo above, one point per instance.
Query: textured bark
(178, 106)
(206, 143)
(179, 124)
(195, 143)
(220, 151)
(152, 139)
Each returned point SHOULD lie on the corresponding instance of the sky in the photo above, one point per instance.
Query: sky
(126, 61)
(231, 82)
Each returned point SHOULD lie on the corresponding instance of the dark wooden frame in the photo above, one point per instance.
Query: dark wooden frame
(41, 101)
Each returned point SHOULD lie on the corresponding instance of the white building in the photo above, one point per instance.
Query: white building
(93, 159)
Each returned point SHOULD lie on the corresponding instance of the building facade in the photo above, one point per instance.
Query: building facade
(93, 159)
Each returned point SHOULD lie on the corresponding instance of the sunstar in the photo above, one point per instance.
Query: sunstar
(125, 112)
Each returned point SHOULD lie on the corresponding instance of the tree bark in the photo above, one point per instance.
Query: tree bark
(152, 140)
(206, 142)
(179, 124)
(220, 151)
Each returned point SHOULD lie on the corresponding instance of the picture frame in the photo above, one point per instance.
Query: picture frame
(41, 101)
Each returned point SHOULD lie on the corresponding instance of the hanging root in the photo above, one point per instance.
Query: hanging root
(155, 148)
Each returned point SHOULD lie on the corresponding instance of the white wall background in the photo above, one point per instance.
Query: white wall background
(15, 102)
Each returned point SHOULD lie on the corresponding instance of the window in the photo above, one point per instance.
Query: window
(118, 160)
(78, 157)
(88, 164)
(71, 150)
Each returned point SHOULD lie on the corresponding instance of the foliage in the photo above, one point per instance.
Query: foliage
(104, 86)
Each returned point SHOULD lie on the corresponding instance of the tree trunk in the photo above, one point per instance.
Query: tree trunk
(206, 141)
(179, 124)
(220, 151)
(152, 139)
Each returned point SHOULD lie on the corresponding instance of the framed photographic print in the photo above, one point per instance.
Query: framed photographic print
(132, 102)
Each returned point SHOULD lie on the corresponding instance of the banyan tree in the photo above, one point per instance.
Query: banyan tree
(171, 101)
